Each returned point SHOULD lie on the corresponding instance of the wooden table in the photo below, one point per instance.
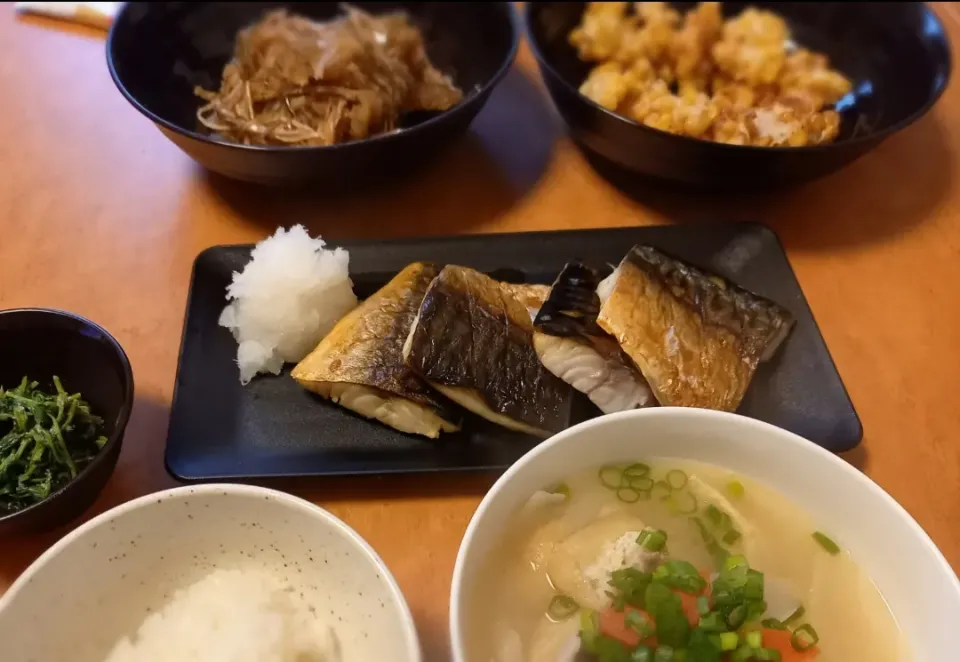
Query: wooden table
(101, 215)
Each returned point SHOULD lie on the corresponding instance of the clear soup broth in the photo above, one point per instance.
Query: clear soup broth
(554, 589)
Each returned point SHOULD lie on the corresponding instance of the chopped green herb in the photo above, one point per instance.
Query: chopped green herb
(754, 639)
(795, 616)
(665, 608)
(628, 494)
(640, 483)
(680, 575)
(652, 540)
(773, 624)
(611, 476)
(630, 585)
(731, 537)
(589, 630)
(639, 623)
(664, 654)
(735, 489)
(637, 470)
(683, 502)
(677, 479)
(767, 655)
(610, 650)
(562, 607)
(729, 641)
(804, 638)
(825, 542)
(642, 654)
(715, 549)
(45, 441)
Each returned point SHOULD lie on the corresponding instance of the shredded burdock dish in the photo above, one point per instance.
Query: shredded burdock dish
(295, 81)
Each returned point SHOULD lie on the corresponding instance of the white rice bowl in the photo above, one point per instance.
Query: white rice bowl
(204, 573)
(287, 298)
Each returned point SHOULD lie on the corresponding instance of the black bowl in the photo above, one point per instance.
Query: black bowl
(158, 51)
(39, 344)
(896, 53)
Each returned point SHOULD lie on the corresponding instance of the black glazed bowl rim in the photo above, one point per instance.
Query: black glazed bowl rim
(516, 31)
(879, 135)
(122, 417)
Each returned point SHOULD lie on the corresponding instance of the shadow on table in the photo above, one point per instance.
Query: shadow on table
(473, 181)
(883, 194)
(384, 488)
(859, 457)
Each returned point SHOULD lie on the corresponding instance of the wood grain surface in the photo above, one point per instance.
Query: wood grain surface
(102, 216)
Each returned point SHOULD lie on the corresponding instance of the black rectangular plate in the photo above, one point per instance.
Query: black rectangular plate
(273, 428)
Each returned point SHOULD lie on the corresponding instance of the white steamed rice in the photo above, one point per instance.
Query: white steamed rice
(287, 298)
(231, 616)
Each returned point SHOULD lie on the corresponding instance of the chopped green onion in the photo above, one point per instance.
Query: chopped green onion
(742, 654)
(652, 540)
(735, 561)
(753, 588)
(773, 624)
(735, 489)
(755, 610)
(628, 495)
(737, 617)
(661, 490)
(676, 479)
(680, 575)
(683, 503)
(795, 616)
(630, 585)
(804, 638)
(611, 476)
(754, 639)
(665, 608)
(608, 649)
(562, 607)
(637, 470)
(712, 622)
(826, 543)
(663, 654)
(640, 483)
(716, 550)
(713, 514)
(639, 623)
(642, 654)
(589, 629)
(767, 655)
(729, 641)
(731, 537)
(703, 605)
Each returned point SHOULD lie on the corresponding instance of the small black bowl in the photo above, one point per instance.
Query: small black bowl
(896, 53)
(158, 52)
(39, 344)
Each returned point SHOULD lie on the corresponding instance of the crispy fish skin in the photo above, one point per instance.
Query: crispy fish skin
(696, 337)
(572, 346)
(472, 341)
(360, 366)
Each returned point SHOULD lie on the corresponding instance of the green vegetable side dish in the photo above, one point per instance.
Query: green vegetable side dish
(45, 441)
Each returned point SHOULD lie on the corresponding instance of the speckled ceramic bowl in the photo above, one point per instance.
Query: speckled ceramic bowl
(100, 581)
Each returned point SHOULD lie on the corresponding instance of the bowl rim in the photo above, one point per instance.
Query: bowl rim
(855, 476)
(516, 30)
(123, 415)
(877, 136)
(229, 490)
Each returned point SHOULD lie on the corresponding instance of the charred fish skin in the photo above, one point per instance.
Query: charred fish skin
(572, 346)
(365, 350)
(473, 338)
(696, 337)
(572, 307)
